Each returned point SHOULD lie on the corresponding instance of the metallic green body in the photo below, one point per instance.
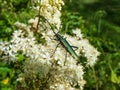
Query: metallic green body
(66, 45)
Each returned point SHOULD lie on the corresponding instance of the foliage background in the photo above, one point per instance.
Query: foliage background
(99, 20)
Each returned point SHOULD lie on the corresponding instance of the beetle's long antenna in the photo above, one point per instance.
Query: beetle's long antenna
(52, 27)
(39, 15)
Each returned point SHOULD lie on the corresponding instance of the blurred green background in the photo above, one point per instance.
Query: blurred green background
(99, 21)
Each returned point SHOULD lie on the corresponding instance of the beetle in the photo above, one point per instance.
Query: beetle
(63, 41)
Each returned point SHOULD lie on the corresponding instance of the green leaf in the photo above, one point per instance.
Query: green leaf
(114, 78)
(4, 70)
(21, 57)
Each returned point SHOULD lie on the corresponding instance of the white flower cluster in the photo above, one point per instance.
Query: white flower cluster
(57, 71)
(50, 9)
(63, 73)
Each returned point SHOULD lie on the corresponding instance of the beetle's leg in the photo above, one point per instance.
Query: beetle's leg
(55, 49)
(75, 47)
(65, 57)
